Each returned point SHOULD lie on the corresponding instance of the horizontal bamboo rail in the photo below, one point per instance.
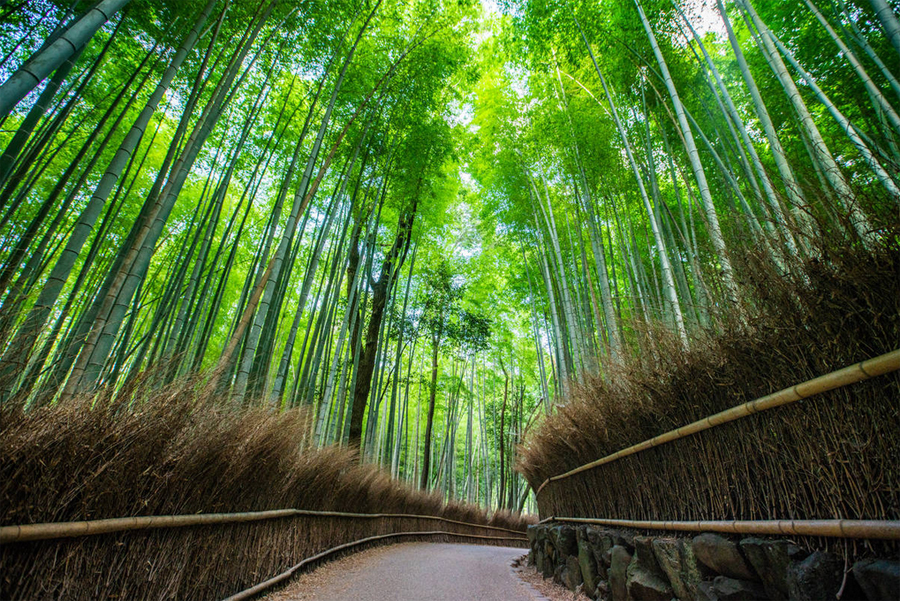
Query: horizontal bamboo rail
(863, 529)
(858, 372)
(31, 532)
(255, 590)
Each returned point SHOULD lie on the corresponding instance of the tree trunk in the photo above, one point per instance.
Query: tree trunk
(429, 418)
(381, 290)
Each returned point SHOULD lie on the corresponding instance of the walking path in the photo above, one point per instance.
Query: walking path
(416, 572)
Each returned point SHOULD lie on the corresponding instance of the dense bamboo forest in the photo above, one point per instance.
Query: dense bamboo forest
(425, 226)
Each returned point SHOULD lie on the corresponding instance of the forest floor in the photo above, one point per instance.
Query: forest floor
(418, 571)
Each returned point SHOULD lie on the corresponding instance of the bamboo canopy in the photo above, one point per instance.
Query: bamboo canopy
(31, 532)
(857, 372)
(868, 529)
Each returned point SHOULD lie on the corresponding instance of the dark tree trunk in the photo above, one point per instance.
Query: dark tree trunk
(429, 423)
(381, 291)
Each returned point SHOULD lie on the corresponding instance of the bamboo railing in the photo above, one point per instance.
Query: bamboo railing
(863, 529)
(858, 372)
(53, 530)
(57, 530)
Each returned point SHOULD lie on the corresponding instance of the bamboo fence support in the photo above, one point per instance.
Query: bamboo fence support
(253, 591)
(862, 529)
(857, 372)
(31, 532)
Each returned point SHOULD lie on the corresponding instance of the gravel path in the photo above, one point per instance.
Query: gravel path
(417, 572)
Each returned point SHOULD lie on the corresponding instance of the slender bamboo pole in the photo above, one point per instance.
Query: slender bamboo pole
(53, 530)
(871, 529)
(857, 372)
(46, 60)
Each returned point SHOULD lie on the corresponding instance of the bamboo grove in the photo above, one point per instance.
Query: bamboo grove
(419, 222)
(641, 157)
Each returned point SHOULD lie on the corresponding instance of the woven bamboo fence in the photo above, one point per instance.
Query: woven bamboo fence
(240, 550)
(309, 521)
(57, 530)
(177, 499)
(763, 467)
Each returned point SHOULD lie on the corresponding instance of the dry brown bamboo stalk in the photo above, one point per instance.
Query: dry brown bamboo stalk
(857, 372)
(862, 529)
(30, 532)
(253, 591)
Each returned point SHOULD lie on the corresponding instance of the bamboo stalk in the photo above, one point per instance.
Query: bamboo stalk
(857, 372)
(250, 592)
(53, 530)
(867, 529)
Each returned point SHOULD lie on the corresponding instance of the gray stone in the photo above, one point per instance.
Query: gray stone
(601, 543)
(878, 578)
(572, 573)
(564, 540)
(705, 592)
(721, 556)
(587, 563)
(817, 577)
(533, 547)
(558, 574)
(623, 538)
(676, 559)
(539, 559)
(770, 559)
(620, 558)
(580, 533)
(532, 533)
(643, 551)
(723, 588)
(594, 535)
(606, 560)
(645, 580)
(547, 560)
(647, 586)
(732, 589)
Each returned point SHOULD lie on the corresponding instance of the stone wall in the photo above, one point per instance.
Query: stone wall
(620, 565)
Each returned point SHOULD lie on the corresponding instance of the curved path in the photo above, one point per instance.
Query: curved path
(421, 572)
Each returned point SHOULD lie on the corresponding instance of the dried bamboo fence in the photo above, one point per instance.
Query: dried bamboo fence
(55, 530)
(261, 542)
(643, 479)
(208, 486)
(59, 530)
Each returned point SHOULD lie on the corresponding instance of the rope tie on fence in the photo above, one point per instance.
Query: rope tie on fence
(858, 372)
